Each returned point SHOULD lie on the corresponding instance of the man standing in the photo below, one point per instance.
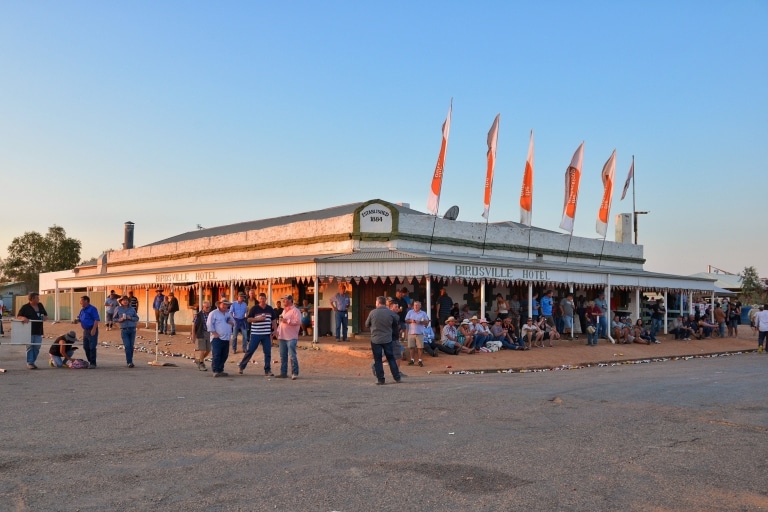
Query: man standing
(657, 317)
(89, 321)
(35, 312)
(263, 320)
(602, 321)
(306, 317)
(126, 318)
(239, 310)
(761, 324)
(288, 337)
(201, 334)
(220, 325)
(417, 320)
(568, 310)
(546, 308)
(157, 304)
(133, 301)
(340, 304)
(382, 322)
(443, 304)
(173, 307)
(109, 308)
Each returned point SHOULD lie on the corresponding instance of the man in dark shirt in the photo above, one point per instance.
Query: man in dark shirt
(383, 323)
(444, 305)
(35, 312)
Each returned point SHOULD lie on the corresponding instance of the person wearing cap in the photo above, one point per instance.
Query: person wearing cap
(157, 303)
(62, 350)
(288, 327)
(263, 320)
(89, 321)
(340, 304)
(383, 324)
(220, 325)
(125, 316)
(239, 310)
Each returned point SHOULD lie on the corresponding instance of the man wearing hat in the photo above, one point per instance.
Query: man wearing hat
(220, 325)
(173, 308)
(239, 310)
(288, 327)
(62, 350)
(125, 317)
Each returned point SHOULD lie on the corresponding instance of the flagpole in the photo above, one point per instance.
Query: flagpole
(634, 209)
(600, 260)
(485, 235)
(434, 222)
(570, 238)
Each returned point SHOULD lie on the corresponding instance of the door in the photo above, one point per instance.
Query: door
(366, 301)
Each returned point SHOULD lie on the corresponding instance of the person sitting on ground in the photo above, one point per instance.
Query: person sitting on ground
(62, 350)
(643, 334)
(530, 333)
(620, 331)
(450, 340)
(679, 329)
(509, 337)
(465, 313)
(466, 334)
(547, 332)
(496, 330)
(705, 328)
(430, 347)
(482, 333)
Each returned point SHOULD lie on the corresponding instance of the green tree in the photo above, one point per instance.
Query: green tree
(752, 289)
(32, 253)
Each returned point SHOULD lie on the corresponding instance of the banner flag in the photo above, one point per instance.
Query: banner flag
(437, 179)
(526, 194)
(493, 136)
(609, 169)
(572, 179)
(630, 177)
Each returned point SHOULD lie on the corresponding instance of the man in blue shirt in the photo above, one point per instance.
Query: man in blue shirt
(89, 321)
(220, 325)
(125, 316)
(546, 308)
(239, 310)
(340, 304)
(157, 303)
(602, 326)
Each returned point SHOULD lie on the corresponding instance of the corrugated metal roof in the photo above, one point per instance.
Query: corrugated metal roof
(253, 225)
(372, 256)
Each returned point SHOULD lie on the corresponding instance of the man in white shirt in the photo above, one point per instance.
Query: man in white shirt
(761, 324)
(417, 320)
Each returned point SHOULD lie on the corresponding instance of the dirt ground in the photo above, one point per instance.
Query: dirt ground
(353, 358)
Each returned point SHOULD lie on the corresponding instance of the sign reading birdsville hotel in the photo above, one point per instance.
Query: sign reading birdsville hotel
(376, 218)
(184, 277)
(493, 272)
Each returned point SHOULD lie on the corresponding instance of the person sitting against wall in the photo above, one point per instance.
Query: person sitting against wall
(466, 334)
(620, 331)
(450, 339)
(530, 333)
(704, 329)
(548, 332)
(62, 350)
(643, 334)
(482, 333)
(509, 338)
(679, 328)
(465, 314)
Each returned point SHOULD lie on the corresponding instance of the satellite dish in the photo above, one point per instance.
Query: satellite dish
(452, 213)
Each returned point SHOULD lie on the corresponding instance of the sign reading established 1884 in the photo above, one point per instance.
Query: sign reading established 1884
(376, 218)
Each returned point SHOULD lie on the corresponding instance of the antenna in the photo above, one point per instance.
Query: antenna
(452, 213)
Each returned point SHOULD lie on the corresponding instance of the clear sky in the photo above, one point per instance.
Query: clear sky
(174, 114)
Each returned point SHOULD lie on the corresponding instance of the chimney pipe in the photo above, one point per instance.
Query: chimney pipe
(128, 242)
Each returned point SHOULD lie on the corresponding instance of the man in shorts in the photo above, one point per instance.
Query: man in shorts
(417, 320)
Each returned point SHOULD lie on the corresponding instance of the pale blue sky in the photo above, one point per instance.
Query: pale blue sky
(173, 114)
